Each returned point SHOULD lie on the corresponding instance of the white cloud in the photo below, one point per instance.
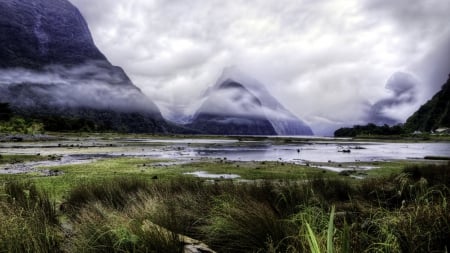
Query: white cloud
(326, 61)
(55, 86)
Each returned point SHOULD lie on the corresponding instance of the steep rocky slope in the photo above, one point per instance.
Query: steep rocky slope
(433, 114)
(49, 65)
(237, 104)
(232, 109)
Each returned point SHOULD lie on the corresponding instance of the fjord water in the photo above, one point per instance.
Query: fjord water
(323, 152)
(320, 150)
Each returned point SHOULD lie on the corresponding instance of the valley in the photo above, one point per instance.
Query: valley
(174, 188)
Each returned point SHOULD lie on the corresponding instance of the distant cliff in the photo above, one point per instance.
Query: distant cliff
(50, 67)
(36, 33)
(237, 104)
(232, 109)
(433, 114)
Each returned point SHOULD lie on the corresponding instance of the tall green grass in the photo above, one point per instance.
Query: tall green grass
(29, 221)
(99, 229)
(115, 192)
(407, 212)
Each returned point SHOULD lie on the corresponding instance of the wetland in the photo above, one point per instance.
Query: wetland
(144, 193)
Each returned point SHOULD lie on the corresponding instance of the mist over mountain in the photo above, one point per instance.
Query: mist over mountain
(435, 113)
(237, 104)
(49, 65)
(432, 115)
(404, 93)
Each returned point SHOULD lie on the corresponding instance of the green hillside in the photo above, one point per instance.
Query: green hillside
(433, 114)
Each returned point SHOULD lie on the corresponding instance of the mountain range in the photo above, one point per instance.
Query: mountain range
(51, 70)
(432, 115)
(238, 104)
(50, 67)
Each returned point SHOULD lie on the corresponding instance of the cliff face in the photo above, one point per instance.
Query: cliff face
(35, 33)
(433, 114)
(241, 105)
(231, 109)
(49, 65)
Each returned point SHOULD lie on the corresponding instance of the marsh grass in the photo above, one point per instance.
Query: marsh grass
(259, 170)
(434, 174)
(28, 220)
(313, 238)
(244, 226)
(8, 158)
(115, 192)
(405, 212)
(100, 229)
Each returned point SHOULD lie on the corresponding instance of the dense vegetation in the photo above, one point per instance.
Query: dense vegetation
(407, 212)
(5, 112)
(25, 123)
(13, 124)
(369, 130)
(433, 114)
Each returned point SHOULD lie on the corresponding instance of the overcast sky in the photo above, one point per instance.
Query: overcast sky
(326, 61)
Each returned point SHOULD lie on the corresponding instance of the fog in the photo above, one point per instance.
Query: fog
(93, 85)
(329, 62)
(239, 102)
(404, 95)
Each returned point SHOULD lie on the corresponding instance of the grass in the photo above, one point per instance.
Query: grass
(313, 238)
(126, 167)
(29, 220)
(258, 170)
(11, 159)
(132, 205)
(99, 229)
(114, 192)
(273, 216)
(96, 172)
(434, 174)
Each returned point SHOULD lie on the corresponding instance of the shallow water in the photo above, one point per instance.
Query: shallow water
(184, 140)
(187, 149)
(204, 174)
(19, 168)
(324, 152)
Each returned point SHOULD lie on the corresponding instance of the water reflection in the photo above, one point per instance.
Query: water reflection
(329, 152)
(232, 149)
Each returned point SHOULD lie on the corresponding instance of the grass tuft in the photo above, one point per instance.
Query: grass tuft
(405, 212)
(29, 220)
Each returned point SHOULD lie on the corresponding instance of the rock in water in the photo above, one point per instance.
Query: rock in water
(241, 105)
(49, 65)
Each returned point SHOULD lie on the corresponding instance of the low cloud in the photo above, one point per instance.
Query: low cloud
(326, 61)
(93, 85)
(404, 95)
(239, 102)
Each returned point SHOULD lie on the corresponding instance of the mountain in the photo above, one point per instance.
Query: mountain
(237, 104)
(433, 114)
(217, 115)
(404, 93)
(36, 33)
(50, 66)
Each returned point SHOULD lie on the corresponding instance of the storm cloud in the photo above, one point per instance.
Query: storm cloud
(326, 61)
